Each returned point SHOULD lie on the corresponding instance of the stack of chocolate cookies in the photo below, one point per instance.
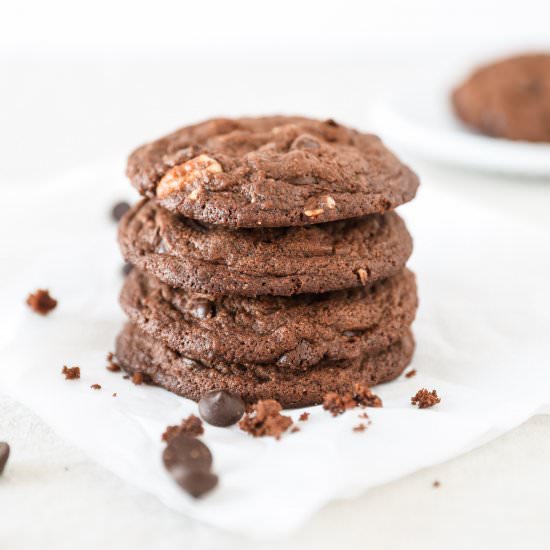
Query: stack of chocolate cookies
(268, 261)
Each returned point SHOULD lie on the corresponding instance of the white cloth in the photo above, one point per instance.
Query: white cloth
(482, 334)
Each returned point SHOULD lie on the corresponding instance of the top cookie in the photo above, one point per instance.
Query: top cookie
(508, 99)
(271, 171)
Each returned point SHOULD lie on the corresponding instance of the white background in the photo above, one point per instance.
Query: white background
(81, 82)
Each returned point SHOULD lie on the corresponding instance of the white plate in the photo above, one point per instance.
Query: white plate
(419, 118)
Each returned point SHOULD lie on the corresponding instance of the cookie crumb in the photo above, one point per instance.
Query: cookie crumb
(360, 427)
(266, 420)
(436, 484)
(424, 398)
(95, 386)
(191, 426)
(334, 403)
(364, 415)
(114, 394)
(364, 397)
(71, 373)
(304, 417)
(112, 365)
(410, 374)
(41, 302)
(294, 429)
(360, 396)
(137, 378)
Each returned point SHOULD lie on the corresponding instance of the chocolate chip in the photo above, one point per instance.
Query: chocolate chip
(4, 455)
(203, 309)
(126, 268)
(197, 483)
(119, 209)
(221, 408)
(186, 454)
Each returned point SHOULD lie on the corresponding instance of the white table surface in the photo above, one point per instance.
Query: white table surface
(59, 112)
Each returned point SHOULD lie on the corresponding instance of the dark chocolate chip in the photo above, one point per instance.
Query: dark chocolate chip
(185, 454)
(126, 268)
(4, 455)
(119, 209)
(197, 483)
(221, 408)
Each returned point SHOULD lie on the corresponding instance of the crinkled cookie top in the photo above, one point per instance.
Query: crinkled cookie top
(271, 171)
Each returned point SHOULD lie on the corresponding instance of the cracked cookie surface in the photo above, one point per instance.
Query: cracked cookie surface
(137, 351)
(229, 333)
(208, 258)
(271, 171)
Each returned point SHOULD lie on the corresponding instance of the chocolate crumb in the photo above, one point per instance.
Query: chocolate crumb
(333, 403)
(424, 398)
(304, 417)
(436, 484)
(137, 378)
(338, 404)
(41, 302)
(361, 396)
(95, 386)
(71, 373)
(410, 374)
(360, 428)
(126, 377)
(114, 394)
(364, 415)
(191, 426)
(112, 365)
(266, 419)
(364, 397)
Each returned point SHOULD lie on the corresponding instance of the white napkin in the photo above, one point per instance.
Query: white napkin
(482, 333)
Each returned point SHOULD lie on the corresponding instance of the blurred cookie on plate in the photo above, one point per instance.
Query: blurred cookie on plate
(508, 99)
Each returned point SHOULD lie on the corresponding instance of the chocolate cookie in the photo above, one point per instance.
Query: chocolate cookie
(508, 99)
(136, 351)
(279, 261)
(290, 332)
(271, 171)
